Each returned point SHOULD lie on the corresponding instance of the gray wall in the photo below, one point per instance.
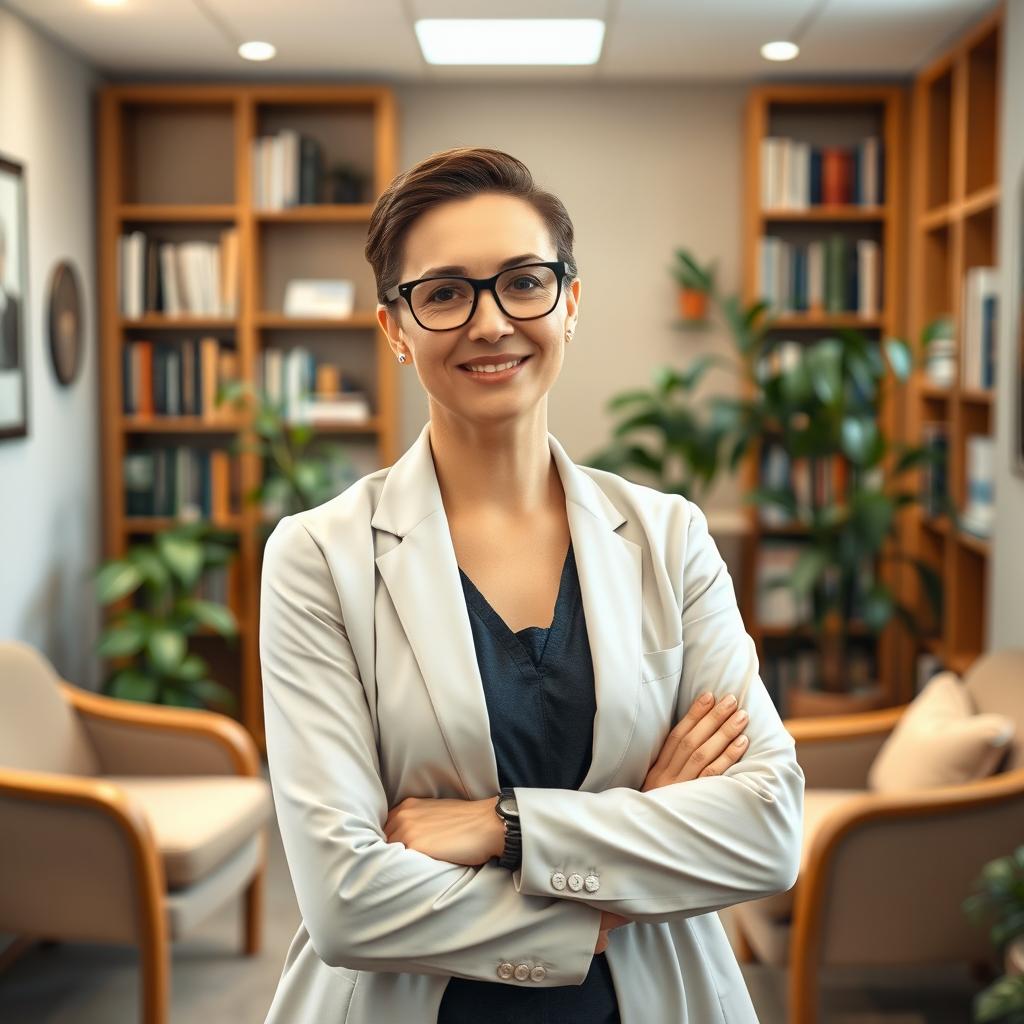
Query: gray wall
(642, 170)
(50, 480)
(1006, 596)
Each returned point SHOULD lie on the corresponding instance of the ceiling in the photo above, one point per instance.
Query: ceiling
(709, 40)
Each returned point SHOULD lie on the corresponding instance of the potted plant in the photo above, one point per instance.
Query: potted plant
(821, 407)
(696, 283)
(298, 472)
(154, 633)
(999, 894)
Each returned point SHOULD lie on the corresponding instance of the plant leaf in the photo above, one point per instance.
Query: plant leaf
(116, 579)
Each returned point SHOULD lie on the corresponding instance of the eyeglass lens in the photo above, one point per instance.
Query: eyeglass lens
(523, 292)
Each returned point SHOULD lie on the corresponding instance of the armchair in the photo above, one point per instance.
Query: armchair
(883, 875)
(123, 822)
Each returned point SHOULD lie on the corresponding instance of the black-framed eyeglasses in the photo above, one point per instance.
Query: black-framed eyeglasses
(526, 292)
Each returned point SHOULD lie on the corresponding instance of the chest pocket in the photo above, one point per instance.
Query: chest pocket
(656, 665)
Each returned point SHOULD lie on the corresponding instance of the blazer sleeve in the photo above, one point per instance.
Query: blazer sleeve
(697, 846)
(369, 904)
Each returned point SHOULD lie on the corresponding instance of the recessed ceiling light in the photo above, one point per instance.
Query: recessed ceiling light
(780, 50)
(510, 40)
(257, 51)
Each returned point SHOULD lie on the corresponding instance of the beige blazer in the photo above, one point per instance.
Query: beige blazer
(372, 694)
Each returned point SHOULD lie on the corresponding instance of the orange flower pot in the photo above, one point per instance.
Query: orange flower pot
(693, 305)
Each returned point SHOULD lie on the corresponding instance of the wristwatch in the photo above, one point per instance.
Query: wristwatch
(508, 811)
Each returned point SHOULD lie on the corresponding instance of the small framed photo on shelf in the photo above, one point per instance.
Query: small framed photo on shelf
(13, 301)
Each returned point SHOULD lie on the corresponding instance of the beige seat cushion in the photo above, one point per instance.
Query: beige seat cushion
(940, 741)
(198, 820)
(817, 804)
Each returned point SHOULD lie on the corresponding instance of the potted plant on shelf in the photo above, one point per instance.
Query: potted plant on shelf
(999, 894)
(822, 408)
(696, 283)
(299, 473)
(154, 633)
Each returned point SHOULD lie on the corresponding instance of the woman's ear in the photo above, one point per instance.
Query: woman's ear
(391, 328)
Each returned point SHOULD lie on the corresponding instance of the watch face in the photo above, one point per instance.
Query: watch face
(508, 806)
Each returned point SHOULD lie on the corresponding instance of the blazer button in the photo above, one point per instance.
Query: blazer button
(558, 880)
(538, 973)
(505, 970)
(592, 883)
(522, 972)
(575, 882)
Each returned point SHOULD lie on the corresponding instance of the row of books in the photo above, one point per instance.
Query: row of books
(812, 484)
(220, 584)
(287, 170)
(980, 307)
(780, 605)
(181, 482)
(935, 475)
(834, 275)
(309, 391)
(196, 278)
(180, 379)
(797, 175)
(979, 469)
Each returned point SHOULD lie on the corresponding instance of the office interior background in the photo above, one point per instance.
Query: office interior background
(801, 307)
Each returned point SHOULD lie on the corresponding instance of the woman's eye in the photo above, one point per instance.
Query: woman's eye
(532, 280)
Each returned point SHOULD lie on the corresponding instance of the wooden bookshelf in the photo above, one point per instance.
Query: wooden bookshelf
(824, 114)
(176, 162)
(955, 194)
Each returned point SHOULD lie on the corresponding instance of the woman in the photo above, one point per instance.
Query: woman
(499, 794)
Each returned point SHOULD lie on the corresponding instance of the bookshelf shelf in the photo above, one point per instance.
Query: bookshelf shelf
(176, 163)
(977, 396)
(328, 213)
(955, 192)
(219, 213)
(829, 321)
(828, 213)
(979, 545)
(157, 524)
(159, 322)
(279, 321)
(179, 425)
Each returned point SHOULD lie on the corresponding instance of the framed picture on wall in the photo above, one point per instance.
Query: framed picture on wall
(13, 301)
(1018, 370)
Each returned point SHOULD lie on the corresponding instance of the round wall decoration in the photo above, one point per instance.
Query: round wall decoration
(64, 322)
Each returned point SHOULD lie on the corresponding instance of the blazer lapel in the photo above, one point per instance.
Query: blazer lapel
(422, 578)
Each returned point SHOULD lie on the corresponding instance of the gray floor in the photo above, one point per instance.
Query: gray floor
(72, 983)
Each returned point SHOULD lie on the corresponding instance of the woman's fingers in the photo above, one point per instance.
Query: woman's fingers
(699, 744)
(702, 744)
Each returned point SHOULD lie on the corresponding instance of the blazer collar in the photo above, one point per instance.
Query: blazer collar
(422, 578)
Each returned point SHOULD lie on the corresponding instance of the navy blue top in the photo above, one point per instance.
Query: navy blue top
(539, 687)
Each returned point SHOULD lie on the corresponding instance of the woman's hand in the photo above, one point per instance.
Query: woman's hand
(704, 742)
(458, 831)
(608, 922)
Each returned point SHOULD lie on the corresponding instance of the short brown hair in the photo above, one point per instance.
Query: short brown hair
(455, 174)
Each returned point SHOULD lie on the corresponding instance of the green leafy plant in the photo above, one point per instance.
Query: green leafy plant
(691, 275)
(821, 407)
(999, 894)
(154, 633)
(299, 473)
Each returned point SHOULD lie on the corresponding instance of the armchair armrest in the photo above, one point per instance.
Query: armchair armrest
(80, 859)
(886, 874)
(836, 751)
(150, 739)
